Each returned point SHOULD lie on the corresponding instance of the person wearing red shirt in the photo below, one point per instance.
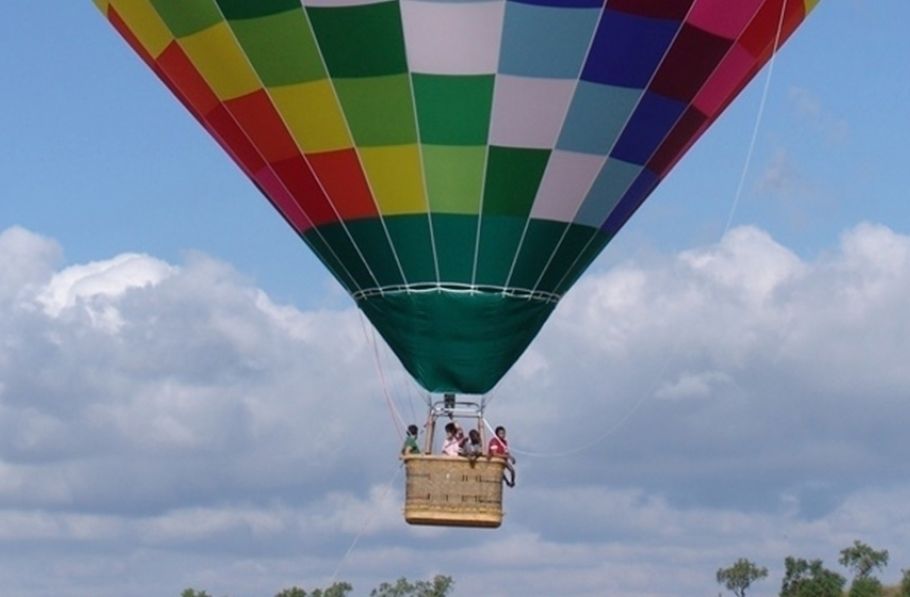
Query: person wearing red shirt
(499, 448)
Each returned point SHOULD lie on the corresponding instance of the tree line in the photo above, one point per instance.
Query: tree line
(805, 578)
(438, 586)
(802, 578)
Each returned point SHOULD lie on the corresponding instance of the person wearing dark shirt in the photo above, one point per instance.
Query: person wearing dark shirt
(410, 441)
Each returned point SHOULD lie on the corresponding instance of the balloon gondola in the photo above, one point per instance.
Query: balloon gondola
(443, 490)
(456, 165)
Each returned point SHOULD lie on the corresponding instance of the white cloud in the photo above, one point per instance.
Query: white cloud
(36, 525)
(379, 511)
(748, 261)
(194, 524)
(747, 302)
(101, 279)
(733, 400)
(28, 260)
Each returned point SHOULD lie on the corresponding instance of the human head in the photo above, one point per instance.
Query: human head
(500, 431)
(412, 430)
(474, 435)
(450, 428)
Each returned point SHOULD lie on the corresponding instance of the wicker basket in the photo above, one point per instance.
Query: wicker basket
(452, 491)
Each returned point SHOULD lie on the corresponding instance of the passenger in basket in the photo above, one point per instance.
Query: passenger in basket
(499, 448)
(410, 441)
(462, 439)
(451, 446)
(473, 448)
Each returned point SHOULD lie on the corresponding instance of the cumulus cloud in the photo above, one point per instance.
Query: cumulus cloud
(728, 374)
(109, 363)
(732, 400)
(99, 282)
(28, 259)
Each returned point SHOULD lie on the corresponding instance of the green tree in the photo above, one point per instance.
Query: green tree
(905, 584)
(338, 589)
(740, 576)
(866, 586)
(810, 579)
(194, 593)
(291, 592)
(440, 586)
(862, 559)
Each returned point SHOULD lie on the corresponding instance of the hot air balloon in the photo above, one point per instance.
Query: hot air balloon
(456, 164)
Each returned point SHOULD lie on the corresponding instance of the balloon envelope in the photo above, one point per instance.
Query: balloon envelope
(456, 164)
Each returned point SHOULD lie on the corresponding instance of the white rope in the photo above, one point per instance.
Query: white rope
(758, 119)
(409, 391)
(455, 288)
(385, 389)
(396, 416)
(373, 512)
(613, 429)
(402, 384)
(746, 167)
(414, 391)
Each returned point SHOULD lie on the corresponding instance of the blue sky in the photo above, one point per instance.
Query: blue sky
(175, 393)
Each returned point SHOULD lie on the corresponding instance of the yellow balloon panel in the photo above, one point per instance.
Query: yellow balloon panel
(144, 23)
(395, 176)
(312, 114)
(213, 48)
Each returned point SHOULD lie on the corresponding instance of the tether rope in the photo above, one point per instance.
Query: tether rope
(373, 512)
(758, 119)
(399, 424)
(396, 416)
(409, 391)
(401, 385)
(598, 439)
